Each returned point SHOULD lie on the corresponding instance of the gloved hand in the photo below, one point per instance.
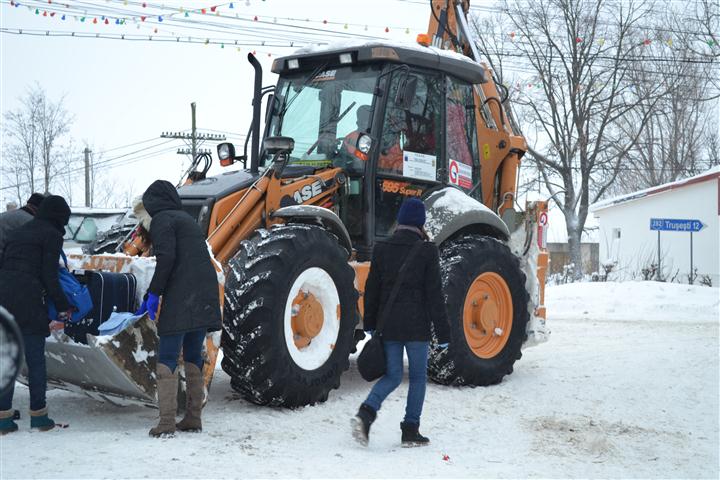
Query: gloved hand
(143, 308)
(153, 303)
(370, 332)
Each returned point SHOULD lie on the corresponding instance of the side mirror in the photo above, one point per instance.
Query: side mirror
(406, 93)
(226, 154)
(273, 145)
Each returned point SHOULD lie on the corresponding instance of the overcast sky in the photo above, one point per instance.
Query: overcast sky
(122, 92)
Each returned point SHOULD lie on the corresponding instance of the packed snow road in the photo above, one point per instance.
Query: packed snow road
(627, 393)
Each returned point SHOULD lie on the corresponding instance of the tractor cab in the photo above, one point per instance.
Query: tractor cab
(399, 120)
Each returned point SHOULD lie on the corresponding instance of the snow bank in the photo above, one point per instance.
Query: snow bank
(633, 301)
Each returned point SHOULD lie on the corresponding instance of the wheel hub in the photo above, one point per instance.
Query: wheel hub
(312, 318)
(307, 318)
(487, 315)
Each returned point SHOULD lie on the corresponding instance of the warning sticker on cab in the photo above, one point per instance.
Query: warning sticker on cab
(460, 174)
(419, 165)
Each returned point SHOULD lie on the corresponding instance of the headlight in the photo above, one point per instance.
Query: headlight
(223, 151)
(364, 143)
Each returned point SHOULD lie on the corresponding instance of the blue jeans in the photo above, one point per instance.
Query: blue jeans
(37, 374)
(191, 343)
(417, 353)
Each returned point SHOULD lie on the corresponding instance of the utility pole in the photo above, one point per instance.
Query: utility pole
(194, 131)
(87, 177)
(193, 140)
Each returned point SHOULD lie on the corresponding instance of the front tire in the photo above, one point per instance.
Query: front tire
(290, 315)
(487, 306)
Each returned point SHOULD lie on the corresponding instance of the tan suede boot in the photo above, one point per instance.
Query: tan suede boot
(167, 385)
(194, 394)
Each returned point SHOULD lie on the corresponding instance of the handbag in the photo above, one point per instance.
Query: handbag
(371, 361)
(77, 294)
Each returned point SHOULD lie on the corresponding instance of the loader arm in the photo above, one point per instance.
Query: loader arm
(255, 206)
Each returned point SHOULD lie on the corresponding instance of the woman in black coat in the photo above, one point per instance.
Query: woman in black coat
(418, 308)
(186, 281)
(28, 277)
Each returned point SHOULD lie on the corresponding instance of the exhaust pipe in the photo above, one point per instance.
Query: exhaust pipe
(257, 100)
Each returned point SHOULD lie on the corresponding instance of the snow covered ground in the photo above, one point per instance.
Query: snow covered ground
(627, 387)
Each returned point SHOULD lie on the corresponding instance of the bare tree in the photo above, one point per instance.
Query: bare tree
(53, 122)
(36, 127)
(69, 161)
(712, 142)
(579, 53)
(707, 18)
(22, 129)
(13, 172)
(672, 144)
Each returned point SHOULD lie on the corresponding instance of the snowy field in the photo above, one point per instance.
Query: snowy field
(627, 387)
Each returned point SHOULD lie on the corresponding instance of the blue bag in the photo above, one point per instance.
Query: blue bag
(118, 322)
(76, 293)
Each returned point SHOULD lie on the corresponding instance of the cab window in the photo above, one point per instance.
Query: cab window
(410, 141)
(461, 142)
(324, 112)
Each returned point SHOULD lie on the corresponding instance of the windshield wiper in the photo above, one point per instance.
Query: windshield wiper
(287, 104)
(334, 119)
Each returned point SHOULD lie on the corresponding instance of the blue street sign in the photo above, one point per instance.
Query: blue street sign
(676, 225)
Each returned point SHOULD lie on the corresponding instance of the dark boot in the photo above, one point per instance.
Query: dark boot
(411, 436)
(39, 420)
(361, 424)
(194, 395)
(7, 425)
(167, 386)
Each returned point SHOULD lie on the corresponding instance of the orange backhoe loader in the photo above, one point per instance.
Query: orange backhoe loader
(349, 132)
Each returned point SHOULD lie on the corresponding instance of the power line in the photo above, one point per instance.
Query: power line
(121, 147)
(104, 164)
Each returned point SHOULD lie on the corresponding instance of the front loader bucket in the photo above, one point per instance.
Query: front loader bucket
(118, 368)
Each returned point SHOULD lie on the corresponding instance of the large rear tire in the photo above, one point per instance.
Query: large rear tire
(289, 318)
(487, 306)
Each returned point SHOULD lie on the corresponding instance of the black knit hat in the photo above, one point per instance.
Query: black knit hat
(36, 199)
(56, 210)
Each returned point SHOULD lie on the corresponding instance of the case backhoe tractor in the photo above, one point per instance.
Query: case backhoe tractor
(349, 132)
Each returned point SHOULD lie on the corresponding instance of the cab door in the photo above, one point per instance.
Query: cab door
(409, 156)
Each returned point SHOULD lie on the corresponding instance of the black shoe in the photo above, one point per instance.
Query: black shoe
(411, 436)
(361, 424)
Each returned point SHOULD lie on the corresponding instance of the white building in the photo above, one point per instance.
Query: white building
(626, 236)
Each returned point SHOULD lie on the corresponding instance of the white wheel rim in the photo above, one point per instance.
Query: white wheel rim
(319, 283)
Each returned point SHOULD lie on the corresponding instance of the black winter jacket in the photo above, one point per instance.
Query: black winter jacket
(11, 220)
(420, 301)
(184, 275)
(29, 274)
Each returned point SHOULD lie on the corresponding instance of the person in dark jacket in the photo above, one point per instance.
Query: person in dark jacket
(28, 277)
(186, 281)
(418, 308)
(11, 220)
